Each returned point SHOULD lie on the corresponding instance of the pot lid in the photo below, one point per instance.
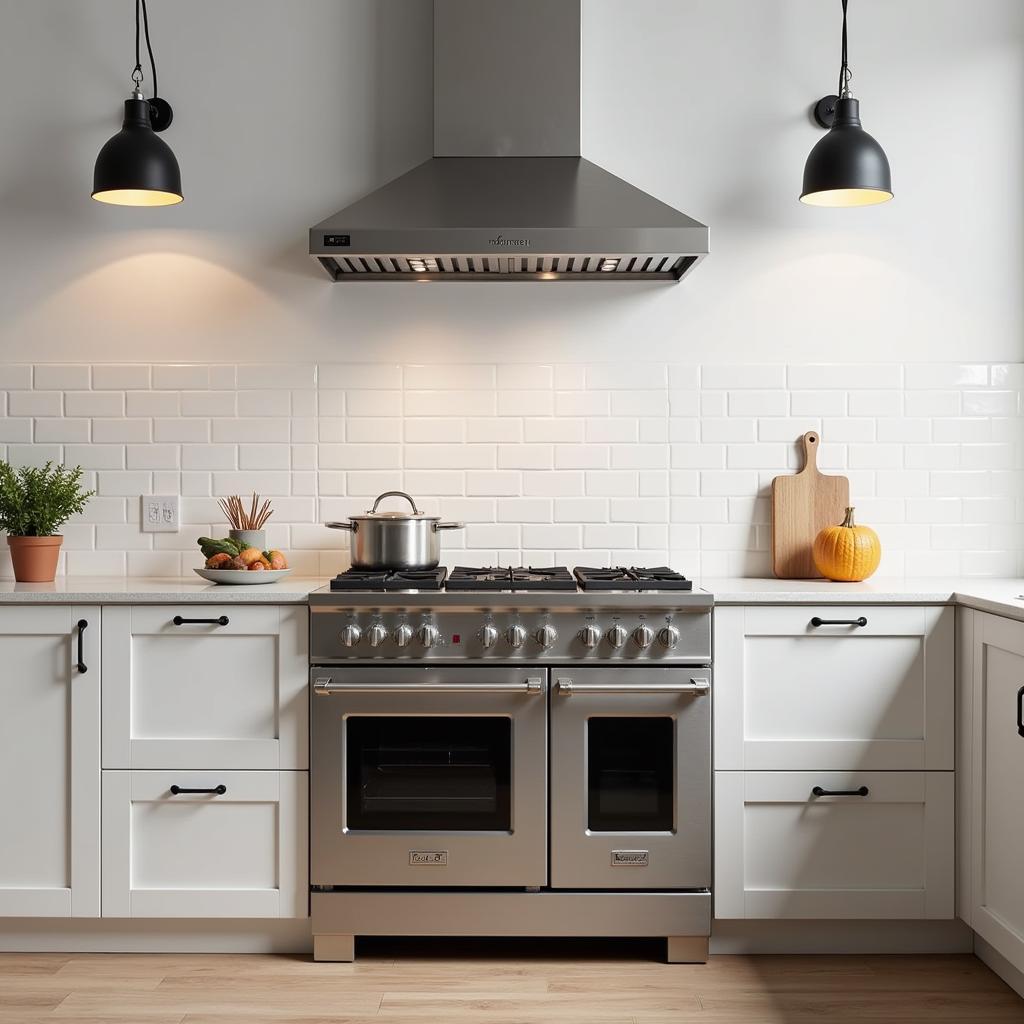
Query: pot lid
(393, 514)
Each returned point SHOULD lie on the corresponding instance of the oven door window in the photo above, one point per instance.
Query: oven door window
(630, 774)
(429, 773)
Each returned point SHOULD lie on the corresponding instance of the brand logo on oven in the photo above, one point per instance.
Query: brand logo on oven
(501, 240)
(630, 858)
(429, 858)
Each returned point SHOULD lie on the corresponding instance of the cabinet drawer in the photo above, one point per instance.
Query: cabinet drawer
(783, 852)
(240, 852)
(225, 692)
(793, 691)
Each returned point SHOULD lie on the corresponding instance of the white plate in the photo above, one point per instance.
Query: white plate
(242, 576)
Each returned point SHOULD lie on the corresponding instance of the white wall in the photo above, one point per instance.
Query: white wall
(287, 111)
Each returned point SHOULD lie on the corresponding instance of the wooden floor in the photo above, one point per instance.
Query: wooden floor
(535, 983)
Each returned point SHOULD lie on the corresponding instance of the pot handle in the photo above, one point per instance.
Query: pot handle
(351, 527)
(448, 526)
(395, 494)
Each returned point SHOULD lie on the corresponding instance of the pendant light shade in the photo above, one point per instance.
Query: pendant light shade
(847, 167)
(136, 167)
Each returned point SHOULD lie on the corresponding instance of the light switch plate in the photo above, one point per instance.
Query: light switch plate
(160, 513)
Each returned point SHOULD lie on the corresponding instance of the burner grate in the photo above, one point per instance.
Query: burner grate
(555, 577)
(390, 579)
(633, 578)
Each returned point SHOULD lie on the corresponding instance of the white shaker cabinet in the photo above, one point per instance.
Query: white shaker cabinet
(996, 816)
(205, 687)
(205, 844)
(50, 761)
(834, 756)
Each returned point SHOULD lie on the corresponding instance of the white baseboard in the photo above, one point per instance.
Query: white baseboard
(995, 961)
(98, 935)
(840, 937)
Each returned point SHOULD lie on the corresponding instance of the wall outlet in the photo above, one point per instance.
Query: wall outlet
(160, 513)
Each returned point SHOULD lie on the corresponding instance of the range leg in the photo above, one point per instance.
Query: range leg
(686, 949)
(334, 948)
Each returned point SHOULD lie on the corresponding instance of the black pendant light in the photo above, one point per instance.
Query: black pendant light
(847, 167)
(135, 167)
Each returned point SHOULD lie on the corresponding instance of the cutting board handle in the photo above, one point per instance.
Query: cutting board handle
(810, 442)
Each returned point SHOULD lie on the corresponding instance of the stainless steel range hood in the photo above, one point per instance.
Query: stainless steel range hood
(507, 196)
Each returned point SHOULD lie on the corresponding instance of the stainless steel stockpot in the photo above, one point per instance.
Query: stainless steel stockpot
(395, 540)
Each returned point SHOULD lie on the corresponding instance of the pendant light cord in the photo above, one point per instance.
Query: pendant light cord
(137, 72)
(844, 69)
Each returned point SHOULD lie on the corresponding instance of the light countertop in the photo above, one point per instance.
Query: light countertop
(999, 596)
(154, 590)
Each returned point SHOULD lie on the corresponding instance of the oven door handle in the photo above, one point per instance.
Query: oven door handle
(568, 688)
(325, 688)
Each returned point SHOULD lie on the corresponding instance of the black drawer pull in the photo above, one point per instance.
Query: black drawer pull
(1020, 711)
(818, 791)
(81, 666)
(219, 790)
(221, 620)
(817, 621)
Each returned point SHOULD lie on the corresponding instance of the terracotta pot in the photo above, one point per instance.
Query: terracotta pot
(35, 558)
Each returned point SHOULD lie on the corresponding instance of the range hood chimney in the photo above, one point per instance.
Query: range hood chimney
(507, 195)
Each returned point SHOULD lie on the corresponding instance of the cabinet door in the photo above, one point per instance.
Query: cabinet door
(837, 687)
(205, 844)
(50, 761)
(205, 687)
(998, 777)
(884, 851)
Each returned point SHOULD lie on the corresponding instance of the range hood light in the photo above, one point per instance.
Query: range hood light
(134, 167)
(608, 264)
(847, 167)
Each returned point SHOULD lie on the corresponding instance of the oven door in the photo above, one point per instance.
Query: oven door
(631, 778)
(429, 776)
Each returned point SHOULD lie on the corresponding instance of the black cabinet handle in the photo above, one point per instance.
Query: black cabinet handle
(219, 790)
(817, 621)
(81, 666)
(818, 791)
(1020, 711)
(221, 620)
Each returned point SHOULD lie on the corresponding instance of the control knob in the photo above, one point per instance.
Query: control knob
(668, 637)
(617, 636)
(428, 635)
(488, 636)
(546, 636)
(351, 635)
(403, 634)
(516, 636)
(643, 636)
(590, 635)
(376, 634)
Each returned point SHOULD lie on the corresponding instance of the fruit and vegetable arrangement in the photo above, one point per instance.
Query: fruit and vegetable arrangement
(228, 553)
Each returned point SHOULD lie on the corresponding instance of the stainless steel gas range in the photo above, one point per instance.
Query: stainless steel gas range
(498, 761)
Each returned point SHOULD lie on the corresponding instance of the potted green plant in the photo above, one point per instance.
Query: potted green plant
(35, 502)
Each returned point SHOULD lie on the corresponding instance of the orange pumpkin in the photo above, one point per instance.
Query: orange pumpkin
(847, 553)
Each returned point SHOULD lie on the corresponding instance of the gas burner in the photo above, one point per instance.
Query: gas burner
(555, 577)
(390, 579)
(621, 578)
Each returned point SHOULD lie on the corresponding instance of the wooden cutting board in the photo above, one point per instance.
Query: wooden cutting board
(802, 505)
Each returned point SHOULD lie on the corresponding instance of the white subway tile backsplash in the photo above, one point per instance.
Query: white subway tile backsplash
(160, 403)
(106, 377)
(15, 376)
(61, 376)
(94, 403)
(743, 375)
(60, 430)
(545, 461)
(35, 403)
